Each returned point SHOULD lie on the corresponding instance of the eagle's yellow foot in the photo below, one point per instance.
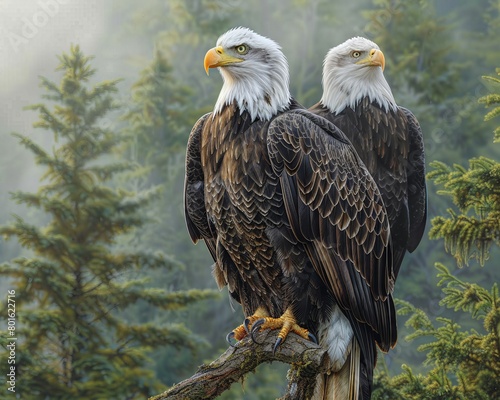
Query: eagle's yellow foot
(286, 324)
(244, 329)
(237, 333)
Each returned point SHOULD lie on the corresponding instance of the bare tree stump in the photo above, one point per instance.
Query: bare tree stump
(307, 360)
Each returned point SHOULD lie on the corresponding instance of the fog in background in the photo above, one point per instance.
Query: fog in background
(123, 36)
(34, 32)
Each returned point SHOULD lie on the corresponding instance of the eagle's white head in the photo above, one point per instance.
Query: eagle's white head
(255, 73)
(353, 70)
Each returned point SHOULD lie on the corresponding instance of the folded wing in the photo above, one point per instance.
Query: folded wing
(335, 209)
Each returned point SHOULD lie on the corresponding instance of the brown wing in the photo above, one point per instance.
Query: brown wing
(381, 139)
(335, 209)
(417, 189)
(194, 198)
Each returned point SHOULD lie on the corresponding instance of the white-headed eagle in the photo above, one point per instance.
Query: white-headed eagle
(358, 99)
(294, 221)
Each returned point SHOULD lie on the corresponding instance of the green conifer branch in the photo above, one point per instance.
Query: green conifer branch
(77, 277)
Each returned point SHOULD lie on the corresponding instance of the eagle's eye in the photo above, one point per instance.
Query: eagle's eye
(242, 49)
(356, 54)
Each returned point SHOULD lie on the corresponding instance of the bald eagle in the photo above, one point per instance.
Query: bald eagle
(358, 99)
(291, 216)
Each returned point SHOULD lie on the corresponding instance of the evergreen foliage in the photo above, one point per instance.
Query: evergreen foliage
(159, 119)
(465, 364)
(492, 99)
(476, 193)
(73, 280)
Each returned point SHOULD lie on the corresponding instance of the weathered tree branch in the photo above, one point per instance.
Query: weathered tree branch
(307, 360)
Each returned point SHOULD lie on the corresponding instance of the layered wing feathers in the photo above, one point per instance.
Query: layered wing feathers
(335, 209)
(390, 143)
(194, 193)
(417, 189)
(331, 197)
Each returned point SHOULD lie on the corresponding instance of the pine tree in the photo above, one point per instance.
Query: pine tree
(475, 191)
(464, 363)
(159, 120)
(419, 65)
(74, 279)
(492, 99)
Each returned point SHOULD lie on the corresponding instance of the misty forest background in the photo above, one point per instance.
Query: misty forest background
(112, 298)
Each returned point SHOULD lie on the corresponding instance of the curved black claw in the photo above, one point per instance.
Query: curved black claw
(312, 338)
(255, 327)
(277, 344)
(229, 338)
(246, 325)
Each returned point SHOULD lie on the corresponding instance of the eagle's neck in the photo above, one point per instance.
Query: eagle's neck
(263, 94)
(348, 89)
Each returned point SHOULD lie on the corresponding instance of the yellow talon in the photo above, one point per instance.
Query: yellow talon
(286, 324)
(239, 332)
(243, 330)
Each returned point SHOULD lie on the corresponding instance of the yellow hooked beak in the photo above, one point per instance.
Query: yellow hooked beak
(217, 57)
(375, 58)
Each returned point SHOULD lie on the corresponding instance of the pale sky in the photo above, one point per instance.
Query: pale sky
(32, 29)
(32, 34)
